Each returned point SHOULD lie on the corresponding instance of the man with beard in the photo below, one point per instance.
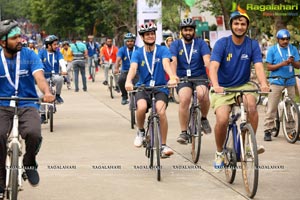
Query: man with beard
(282, 59)
(124, 57)
(190, 57)
(230, 68)
(152, 62)
(20, 68)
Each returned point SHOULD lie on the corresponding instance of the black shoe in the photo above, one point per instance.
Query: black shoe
(105, 83)
(43, 118)
(32, 175)
(2, 192)
(124, 101)
(59, 99)
(268, 135)
(117, 89)
(183, 138)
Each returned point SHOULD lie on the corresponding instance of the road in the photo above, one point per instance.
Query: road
(90, 156)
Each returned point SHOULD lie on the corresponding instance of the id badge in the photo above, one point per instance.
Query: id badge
(188, 72)
(12, 103)
(152, 83)
(291, 68)
(110, 61)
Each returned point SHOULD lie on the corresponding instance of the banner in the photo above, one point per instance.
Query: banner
(145, 13)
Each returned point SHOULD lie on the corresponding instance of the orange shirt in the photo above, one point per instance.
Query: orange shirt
(109, 53)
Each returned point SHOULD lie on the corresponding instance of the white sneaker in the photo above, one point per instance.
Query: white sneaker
(166, 152)
(138, 141)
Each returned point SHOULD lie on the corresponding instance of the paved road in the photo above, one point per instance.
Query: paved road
(90, 156)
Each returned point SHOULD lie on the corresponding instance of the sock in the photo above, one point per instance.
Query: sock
(184, 132)
(203, 118)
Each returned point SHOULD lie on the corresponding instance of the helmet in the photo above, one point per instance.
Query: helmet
(65, 43)
(31, 41)
(283, 33)
(50, 39)
(147, 27)
(129, 36)
(187, 22)
(6, 26)
(238, 14)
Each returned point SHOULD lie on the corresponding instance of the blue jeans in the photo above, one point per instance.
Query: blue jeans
(79, 65)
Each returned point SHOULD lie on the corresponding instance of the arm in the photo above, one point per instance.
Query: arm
(213, 74)
(130, 76)
(260, 73)
(167, 67)
(43, 86)
(118, 64)
(174, 64)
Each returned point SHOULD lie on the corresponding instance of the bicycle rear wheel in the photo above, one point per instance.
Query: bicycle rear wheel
(291, 121)
(230, 159)
(195, 131)
(13, 187)
(157, 145)
(110, 86)
(277, 125)
(50, 117)
(249, 160)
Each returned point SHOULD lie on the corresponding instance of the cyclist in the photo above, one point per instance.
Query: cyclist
(108, 57)
(19, 69)
(68, 57)
(93, 49)
(169, 41)
(124, 58)
(230, 68)
(152, 62)
(281, 60)
(190, 57)
(31, 45)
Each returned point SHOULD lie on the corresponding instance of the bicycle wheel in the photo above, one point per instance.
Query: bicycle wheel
(277, 125)
(290, 121)
(195, 131)
(174, 95)
(256, 86)
(50, 117)
(230, 159)
(249, 160)
(111, 89)
(157, 146)
(13, 178)
(93, 73)
(132, 110)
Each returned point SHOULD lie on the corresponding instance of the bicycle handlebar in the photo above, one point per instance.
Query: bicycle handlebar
(149, 88)
(226, 91)
(16, 98)
(188, 79)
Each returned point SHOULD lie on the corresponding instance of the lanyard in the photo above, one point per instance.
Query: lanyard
(279, 50)
(153, 61)
(92, 45)
(128, 55)
(52, 64)
(188, 59)
(111, 51)
(16, 84)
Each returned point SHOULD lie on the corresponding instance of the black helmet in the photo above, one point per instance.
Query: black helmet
(187, 22)
(6, 26)
(50, 39)
(147, 27)
(129, 36)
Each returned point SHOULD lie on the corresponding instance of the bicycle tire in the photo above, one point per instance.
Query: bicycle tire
(196, 134)
(132, 110)
(93, 73)
(230, 160)
(50, 116)
(249, 160)
(256, 86)
(111, 89)
(290, 114)
(277, 125)
(157, 145)
(13, 187)
(174, 95)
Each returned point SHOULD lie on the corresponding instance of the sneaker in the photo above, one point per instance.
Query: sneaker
(59, 99)
(1, 192)
(43, 118)
(105, 83)
(183, 138)
(69, 86)
(268, 135)
(166, 151)
(124, 101)
(97, 69)
(32, 175)
(117, 89)
(90, 77)
(273, 131)
(138, 141)
(206, 126)
(219, 161)
(260, 149)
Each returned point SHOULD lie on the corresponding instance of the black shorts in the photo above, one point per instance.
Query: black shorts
(194, 84)
(159, 96)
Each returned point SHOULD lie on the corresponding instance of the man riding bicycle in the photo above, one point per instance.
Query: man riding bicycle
(93, 50)
(20, 68)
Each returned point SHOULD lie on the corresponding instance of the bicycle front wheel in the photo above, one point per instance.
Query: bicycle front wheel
(290, 121)
(157, 145)
(50, 117)
(93, 73)
(195, 131)
(277, 125)
(230, 159)
(111, 88)
(132, 110)
(13, 187)
(249, 160)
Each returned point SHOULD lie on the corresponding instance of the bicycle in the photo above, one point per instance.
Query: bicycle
(132, 108)
(112, 78)
(240, 146)
(15, 172)
(195, 128)
(287, 112)
(152, 141)
(93, 69)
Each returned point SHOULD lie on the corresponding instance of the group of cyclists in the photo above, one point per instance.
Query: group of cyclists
(228, 63)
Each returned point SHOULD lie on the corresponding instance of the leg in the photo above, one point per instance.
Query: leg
(83, 76)
(58, 81)
(222, 117)
(185, 95)
(76, 72)
(203, 98)
(106, 69)
(90, 63)
(121, 83)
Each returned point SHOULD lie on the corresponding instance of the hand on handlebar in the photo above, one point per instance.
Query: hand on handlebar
(48, 98)
(128, 86)
(218, 89)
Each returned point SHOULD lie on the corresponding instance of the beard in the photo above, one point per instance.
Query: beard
(15, 49)
(188, 37)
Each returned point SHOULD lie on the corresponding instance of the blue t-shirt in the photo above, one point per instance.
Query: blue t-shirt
(123, 54)
(50, 61)
(274, 57)
(29, 64)
(158, 72)
(197, 64)
(92, 48)
(235, 60)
